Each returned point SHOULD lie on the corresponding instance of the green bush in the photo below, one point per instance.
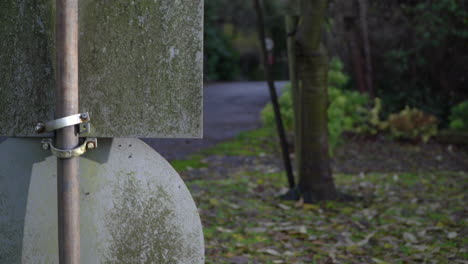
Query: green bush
(459, 117)
(287, 112)
(351, 111)
(344, 112)
(370, 122)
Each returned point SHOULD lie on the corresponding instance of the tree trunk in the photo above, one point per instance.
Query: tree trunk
(353, 39)
(315, 177)
(366, 45)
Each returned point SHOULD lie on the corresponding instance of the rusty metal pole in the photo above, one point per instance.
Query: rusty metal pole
(67, 138)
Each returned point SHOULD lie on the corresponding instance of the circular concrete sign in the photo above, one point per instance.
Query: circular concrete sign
(134, 206)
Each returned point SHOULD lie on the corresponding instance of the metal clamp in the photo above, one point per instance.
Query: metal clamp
(78, 119)
(89, 143)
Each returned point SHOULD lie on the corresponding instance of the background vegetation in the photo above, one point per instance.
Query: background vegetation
(418, 50)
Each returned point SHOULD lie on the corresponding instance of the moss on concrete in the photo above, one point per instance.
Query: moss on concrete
(140, 66)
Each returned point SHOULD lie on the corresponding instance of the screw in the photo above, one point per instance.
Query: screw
(45, 146)
(84, 116)
(90, 145)
(39, 128)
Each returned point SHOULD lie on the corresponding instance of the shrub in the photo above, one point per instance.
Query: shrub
(344, 112)
(412, 124)
(287, 112)
(459, 117)
(370, 122)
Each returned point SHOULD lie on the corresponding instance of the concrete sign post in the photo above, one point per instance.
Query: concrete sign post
(140, 75)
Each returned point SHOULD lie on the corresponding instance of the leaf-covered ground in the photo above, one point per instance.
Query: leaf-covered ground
(400, 217)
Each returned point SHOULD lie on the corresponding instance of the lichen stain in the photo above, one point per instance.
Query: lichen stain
(124, 52)
(142, 227)
(10, 235)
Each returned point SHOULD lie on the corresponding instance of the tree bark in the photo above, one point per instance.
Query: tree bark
(353, 38)
(315, 178)
(366, 45)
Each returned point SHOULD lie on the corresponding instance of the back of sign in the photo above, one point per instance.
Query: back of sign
(141, 66)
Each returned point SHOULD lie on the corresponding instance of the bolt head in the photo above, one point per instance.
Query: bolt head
(90, 145)
(84, 116)
(39, 128)
(45, 146)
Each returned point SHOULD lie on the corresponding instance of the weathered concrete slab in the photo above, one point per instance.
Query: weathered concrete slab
(141, 65)
(134, 206)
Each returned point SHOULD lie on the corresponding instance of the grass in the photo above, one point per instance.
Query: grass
(397, 217)
(391, 222)
(250, 143)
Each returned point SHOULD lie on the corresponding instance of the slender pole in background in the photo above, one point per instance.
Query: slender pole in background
(67, 138)
(291, 28)
(274, 97)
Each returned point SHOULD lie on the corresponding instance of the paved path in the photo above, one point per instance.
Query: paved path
(229, 108)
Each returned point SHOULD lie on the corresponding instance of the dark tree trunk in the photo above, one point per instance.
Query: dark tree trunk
(366, 47)
(353, 38)
(315, 177)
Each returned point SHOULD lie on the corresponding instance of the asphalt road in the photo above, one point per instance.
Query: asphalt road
(229, 108)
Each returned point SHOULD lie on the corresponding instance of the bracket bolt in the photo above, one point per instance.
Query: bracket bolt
(90, 145)
(45, 146)
(84, 116)
(39, 128)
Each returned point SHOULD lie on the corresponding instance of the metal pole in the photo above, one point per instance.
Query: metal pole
(67, 138)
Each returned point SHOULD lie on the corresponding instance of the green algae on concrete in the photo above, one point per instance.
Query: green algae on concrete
(134, 208)
(140, 66)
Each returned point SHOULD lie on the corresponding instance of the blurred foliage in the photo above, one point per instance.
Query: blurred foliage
(370, 122)
(459, 117)
(351, 111)
(287, 112)
(345, 108)
(426, 65)
(221, 60)
(231, 40)
(412, 124)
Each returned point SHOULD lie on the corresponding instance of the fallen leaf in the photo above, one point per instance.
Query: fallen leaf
(379, 261)
(311, 207)
(452, 235)
(365, 240)
(224, 230)
(408, 237)
(284, 207)
(270, 251)
(214, 202)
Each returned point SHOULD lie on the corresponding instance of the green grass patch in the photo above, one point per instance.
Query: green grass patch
(192, 162)
(249, 143)
(242, 217)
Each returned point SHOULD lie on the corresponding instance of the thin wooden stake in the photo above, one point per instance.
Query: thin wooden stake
(274, 97)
